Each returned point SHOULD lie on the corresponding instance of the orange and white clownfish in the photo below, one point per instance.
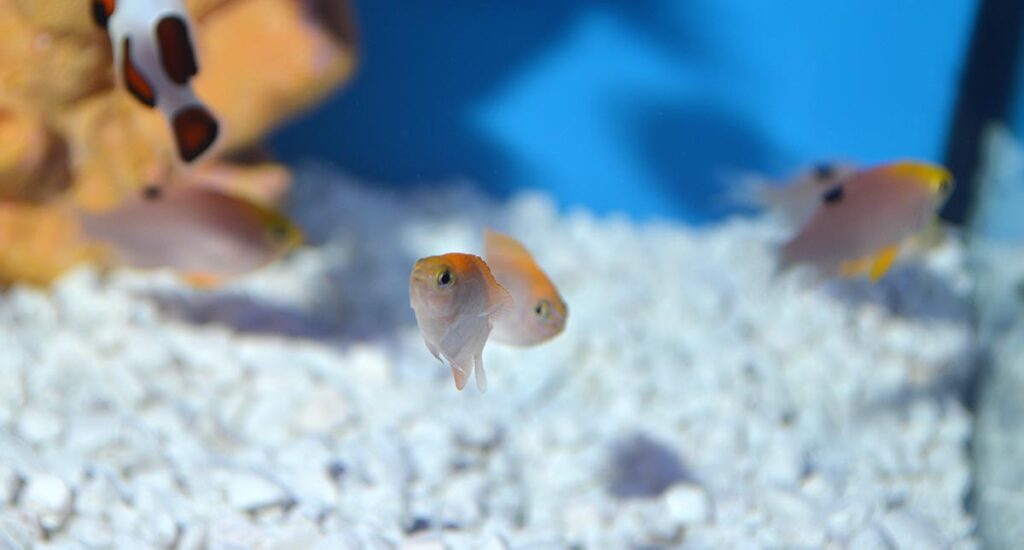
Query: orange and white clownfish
(155, 60)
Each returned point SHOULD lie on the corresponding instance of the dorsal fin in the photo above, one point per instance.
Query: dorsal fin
(833, 195)
(499, 245)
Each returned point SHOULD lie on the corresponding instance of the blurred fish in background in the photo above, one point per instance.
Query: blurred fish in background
(538, 312)
(861, 220)
(205, 235)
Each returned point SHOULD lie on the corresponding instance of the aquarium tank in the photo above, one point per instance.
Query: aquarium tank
(511, 275)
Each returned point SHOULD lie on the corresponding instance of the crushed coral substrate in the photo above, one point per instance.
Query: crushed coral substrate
(694, 400)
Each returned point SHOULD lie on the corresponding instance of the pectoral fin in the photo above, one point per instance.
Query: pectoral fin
(501, 302)
(882, 262)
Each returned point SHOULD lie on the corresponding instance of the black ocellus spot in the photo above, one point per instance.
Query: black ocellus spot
(833, 196)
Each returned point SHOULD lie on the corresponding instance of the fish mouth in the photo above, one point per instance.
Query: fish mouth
(421, 275)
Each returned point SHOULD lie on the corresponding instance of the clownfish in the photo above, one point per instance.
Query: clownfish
(155, 61)
(539, 313)
(204, 235)
(456, 300)
(860, 223)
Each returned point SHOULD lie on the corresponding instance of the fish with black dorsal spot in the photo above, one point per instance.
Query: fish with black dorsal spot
(861, 221)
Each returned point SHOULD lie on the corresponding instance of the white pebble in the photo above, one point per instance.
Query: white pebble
(48, 498)
(323, 409)
(248, 492)
(688, 504)
(910, 532)
(38, 426)
(870, 538)
(10, 482)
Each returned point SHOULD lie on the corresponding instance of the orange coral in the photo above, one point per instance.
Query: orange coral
(33, 159)
(40, 242)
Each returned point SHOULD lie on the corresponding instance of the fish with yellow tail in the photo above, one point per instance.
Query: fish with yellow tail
(539, 313)
(861, 222)
(155, 61)
(205, 235)
(456, 301)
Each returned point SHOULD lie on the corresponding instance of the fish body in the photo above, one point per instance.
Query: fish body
(539, 313)
(796, 199)
(155, 61)
(860, 222)
(456, 299)
(202, 233)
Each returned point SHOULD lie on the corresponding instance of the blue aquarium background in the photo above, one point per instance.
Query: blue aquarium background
(185, 374)
(639, 106)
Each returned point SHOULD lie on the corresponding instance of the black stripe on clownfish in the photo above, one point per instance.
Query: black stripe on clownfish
(136, 83)
(102, 10)
(155, 61)
(175, 46)
(195, 130)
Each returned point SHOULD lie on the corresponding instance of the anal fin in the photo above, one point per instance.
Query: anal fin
(882, 262)
(461, 377)
(203, 281)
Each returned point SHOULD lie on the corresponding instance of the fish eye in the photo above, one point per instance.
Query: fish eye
(543, 309)
(445, 278)
(279, 232)
(945, 185)
(152, 192)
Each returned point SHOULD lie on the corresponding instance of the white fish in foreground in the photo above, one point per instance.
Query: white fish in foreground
(456, 300)
(539, 313)
(155, 61)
